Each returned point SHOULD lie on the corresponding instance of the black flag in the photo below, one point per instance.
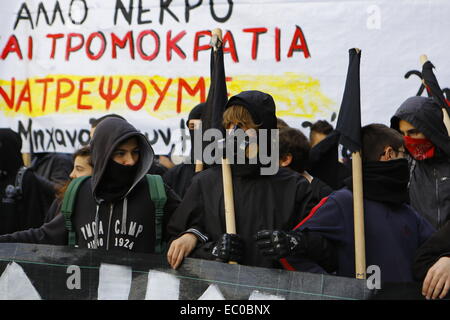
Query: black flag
(419, 74)
(212, 114)
(432, 85)
(217, 95)
(349, 120)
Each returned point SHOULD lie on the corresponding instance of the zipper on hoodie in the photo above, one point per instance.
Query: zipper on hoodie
(437, 198)
(109, 225)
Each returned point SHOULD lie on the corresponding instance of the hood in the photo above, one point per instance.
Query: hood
(426, 115)
(108, 135)
(196, 112)
(10, 150)
(260, 105)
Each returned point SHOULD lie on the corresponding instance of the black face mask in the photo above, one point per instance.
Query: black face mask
(116, 181)
(385, 181)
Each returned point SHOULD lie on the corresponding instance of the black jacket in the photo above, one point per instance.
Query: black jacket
(179, 177)
(125, 223)
(54, 209)
(24, 207)
(276, 202)
(261, 202)
(429, 188)
(53, 167)
(437, 246)
(319, 190)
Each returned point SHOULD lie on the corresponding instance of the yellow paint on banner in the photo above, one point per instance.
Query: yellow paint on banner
(296, 95)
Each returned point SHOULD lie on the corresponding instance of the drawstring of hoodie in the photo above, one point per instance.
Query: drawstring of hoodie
(124, 216)
(124, 220)
(96, 228)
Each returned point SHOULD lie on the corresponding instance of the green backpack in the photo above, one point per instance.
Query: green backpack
(157, 194)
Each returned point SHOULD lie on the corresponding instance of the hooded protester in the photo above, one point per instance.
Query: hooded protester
(260, 201)
(324, 241)
(419, 119)
(179, 177)
(113, 208)
(24, 197)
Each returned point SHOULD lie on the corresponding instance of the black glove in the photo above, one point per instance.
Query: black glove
(229, 247)
(278, 244)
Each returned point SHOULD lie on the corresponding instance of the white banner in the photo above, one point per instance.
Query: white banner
(64, 62)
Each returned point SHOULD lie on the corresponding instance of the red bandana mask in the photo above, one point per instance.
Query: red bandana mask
(420, 149)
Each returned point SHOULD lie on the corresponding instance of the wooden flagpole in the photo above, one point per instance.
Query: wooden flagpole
(198, 165)
(446, 119)
(230, 221)
(358, 214)
(26, 159)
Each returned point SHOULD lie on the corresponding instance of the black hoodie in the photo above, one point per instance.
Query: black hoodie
(24, 211)
(261, 107)
(429, 188)
(276, 201)
(126, 221)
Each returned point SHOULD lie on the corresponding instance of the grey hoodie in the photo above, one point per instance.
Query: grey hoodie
(127, 223)
(429, 188)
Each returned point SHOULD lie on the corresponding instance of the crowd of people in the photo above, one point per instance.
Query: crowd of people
(116, 194)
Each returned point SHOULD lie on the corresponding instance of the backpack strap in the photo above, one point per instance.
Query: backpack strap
(159, 198)
(68, 205)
